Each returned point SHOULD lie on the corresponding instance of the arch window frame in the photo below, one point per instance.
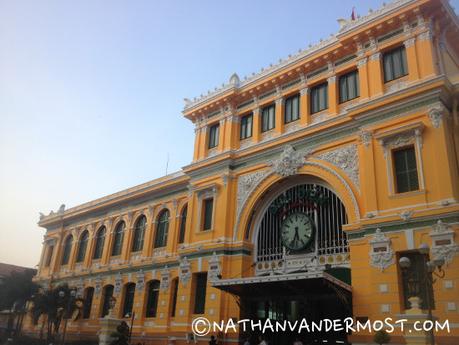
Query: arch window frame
(118, 237)
(82, 246)
(100, 242)
(68, 243)
(162, 229)
(182, 226)
(128, 299)
(139, 234)
(106, 297)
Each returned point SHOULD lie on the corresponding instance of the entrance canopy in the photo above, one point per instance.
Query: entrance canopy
(283, 285)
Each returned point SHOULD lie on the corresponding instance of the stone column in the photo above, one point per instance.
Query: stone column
(197, 139)
(279, 112)
(256, 124)
(304, 106)
(427, 59)
(376, 81)
(222, 135)
(363, 78)
(332, 95)
(411, 58)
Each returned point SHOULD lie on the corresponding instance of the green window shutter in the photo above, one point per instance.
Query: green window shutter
(406, 174)
(152, 298)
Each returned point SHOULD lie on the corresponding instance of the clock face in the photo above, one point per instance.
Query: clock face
(296, 231)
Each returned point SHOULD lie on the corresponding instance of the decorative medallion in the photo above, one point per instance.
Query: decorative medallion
(118, 283)
(289, 161)
(436, 114)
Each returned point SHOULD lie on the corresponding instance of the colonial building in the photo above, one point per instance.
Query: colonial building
(309, 181)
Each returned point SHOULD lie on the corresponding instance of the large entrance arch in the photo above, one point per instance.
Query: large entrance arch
(300, 258)
(283, 211)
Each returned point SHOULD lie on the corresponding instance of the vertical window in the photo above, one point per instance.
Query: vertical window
(100, 240)
(152, 298)
(108, 294)
(349, 86)
(268, 118)
(246, 126)
(200, 293)
(181, 238)
(395, 65)
(162, 229)
(49, 255)
(213, 135)
(319, 98)
(174, 296)
(292, 109)
(139, 234)
(82, 245)
(67, 250)
(208, 206)
(405, 170)
(129, 292)
(88, 296)
(118, 239)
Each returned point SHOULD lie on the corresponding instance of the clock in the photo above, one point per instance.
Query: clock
(296, 231)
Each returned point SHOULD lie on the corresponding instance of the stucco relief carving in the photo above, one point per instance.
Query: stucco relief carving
(347, 159)
(98, 285)
(381, 253)
(436, 114)
(214, 268)
(165, 279)
(443, 244)
(140, 280)
(289, 161)
(118, 283)
(365, 137)
(184, 271)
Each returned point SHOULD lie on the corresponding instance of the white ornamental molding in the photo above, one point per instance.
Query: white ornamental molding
(165, 279)
(118, 283)
(436, 114)
(365, 137)
(214, 268)
(381, 253)
(443, 245)
(80, 287)
(289, 161)
(345, 158)
(184, 271)
(140, 280)
(97, 285)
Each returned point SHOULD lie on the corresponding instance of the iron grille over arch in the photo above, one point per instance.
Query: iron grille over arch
(320, 204)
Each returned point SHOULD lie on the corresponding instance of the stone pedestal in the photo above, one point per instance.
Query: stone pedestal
(108, 326)
(414, 314)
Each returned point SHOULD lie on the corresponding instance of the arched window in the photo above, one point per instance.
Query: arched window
(139, 234)
(152, 298)
(100, 240)
(181, 238)
(118, 239)
(67, 249)
(88, 296)
(107, 295)
(82, 245)
(129, 292)
(162, 229)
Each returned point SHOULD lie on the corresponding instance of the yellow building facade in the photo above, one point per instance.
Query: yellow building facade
(309, 181)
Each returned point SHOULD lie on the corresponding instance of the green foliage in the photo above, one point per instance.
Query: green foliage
(381, 337)
(17, 288)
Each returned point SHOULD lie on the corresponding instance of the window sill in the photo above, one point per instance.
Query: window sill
(407, 194)
(204, 231)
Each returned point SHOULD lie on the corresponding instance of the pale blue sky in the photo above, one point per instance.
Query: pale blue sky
(91, 92)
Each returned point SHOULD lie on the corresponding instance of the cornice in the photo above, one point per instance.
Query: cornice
(347, 27)
(147, 187)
